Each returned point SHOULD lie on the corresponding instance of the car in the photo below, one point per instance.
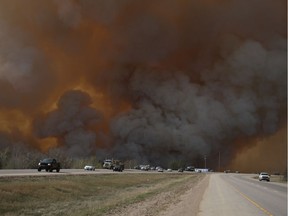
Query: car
(181, 170)
(118, 167)
(264, 176)
(49, 164)
(169, 170)
(145, 167)
(190, 168)
(89, 168)
(160, 169)
(137, 167)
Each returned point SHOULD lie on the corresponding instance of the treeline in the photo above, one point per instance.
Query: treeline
(20, 157)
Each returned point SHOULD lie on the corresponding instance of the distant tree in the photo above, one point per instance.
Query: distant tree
(19, 156)
(4, 157)
(130, 164)
(61, 156)
(285, 175)
(176, 164)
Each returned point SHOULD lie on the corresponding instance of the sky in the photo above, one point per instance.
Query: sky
(152, 81)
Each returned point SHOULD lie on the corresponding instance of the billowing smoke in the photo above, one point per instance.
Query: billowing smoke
(70, 123)
(152, 81)
(176, 117)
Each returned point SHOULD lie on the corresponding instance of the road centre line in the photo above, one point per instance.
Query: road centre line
(252, 201)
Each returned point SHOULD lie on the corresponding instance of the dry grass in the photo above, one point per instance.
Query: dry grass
(278, 178)
(85, 195)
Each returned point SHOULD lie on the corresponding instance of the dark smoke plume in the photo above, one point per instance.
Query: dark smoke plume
(70, 122)
(153, 81)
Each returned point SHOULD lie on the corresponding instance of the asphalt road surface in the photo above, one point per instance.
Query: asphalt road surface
(239, 194)
(34, 172)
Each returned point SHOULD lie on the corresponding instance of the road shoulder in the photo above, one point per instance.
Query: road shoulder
(182, 199)
(190, 201)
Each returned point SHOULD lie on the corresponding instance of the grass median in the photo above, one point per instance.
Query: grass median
(85, 194)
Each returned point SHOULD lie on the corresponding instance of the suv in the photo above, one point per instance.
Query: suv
(264, 176)
(107, 164)
(49, 164)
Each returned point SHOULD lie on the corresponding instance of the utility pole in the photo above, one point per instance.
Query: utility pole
(205, 160)
(219, 161)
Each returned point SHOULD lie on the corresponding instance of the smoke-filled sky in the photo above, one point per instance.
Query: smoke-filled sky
(154, 81)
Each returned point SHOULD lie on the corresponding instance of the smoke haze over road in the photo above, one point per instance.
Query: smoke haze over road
(152, 81)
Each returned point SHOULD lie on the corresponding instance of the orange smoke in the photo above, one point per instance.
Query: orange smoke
(265, 154)
(145, 67)
(15, 120)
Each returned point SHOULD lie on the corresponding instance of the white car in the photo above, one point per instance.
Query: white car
(160, 169)
(264, 176)
(89, 167)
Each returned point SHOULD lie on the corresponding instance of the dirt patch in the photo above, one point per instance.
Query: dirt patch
(181, 200)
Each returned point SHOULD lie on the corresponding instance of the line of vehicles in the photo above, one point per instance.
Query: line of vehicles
(50, 164)
(160, 169)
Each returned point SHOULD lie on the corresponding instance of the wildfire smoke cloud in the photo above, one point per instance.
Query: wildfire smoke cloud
(153, 81)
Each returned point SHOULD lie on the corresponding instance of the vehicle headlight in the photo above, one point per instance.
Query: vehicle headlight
(39, 164)
(49, 164)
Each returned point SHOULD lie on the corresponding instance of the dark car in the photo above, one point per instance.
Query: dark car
(49, 164)
(118, 167)
(190, 168)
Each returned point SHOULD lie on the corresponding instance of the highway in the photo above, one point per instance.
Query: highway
(34, 172)
(240, 194)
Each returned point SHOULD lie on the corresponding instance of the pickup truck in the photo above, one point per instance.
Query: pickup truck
(49, 164)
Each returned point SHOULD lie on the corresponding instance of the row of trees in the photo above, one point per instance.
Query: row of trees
(20, 157)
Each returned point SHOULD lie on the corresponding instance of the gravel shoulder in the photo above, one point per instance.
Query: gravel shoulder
(184, 200)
